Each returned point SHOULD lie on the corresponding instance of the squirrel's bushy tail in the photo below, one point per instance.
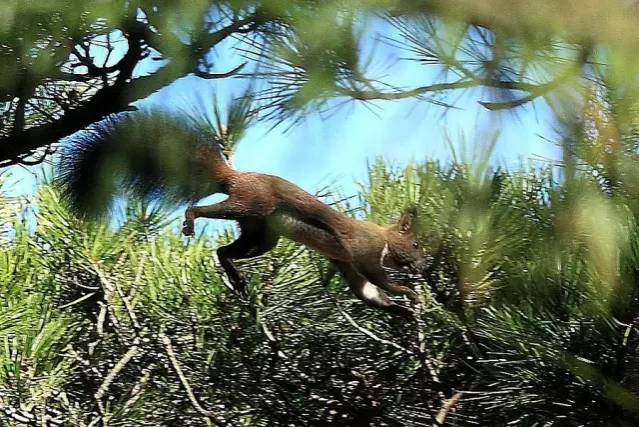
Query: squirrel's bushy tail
(154, 155)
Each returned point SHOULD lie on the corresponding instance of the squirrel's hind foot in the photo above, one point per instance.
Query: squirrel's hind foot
(188, 227)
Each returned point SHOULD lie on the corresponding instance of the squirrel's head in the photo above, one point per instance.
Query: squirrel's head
(402, 250)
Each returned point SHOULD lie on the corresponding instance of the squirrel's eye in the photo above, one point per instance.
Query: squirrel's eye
(415, 245)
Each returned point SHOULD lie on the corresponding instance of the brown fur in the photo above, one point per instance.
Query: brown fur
(268, 207)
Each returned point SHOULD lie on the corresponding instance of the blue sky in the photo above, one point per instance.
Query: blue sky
(336, 150)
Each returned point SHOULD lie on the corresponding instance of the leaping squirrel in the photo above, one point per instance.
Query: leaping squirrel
(169, 157)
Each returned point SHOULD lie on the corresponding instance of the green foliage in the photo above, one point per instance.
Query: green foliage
(67, 64)
(531, 294)
(133, 325)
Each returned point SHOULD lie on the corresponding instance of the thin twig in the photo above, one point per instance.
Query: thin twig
(136, 393)
(83, 362)
(138, 277)
(114, 286)
(447, 406)
(185, 383)
(108, 380)
(365, 331)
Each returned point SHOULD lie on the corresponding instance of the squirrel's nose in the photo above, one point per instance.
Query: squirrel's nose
(419, 265)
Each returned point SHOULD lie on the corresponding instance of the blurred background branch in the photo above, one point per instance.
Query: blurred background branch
(71, 63)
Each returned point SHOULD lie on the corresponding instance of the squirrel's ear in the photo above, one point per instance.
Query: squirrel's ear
(407, 220)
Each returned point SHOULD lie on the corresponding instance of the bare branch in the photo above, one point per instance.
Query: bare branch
(362, 329)
(185, 383)
(244, 25)
(108, 380)
(368, 95)
(211, 76)
(136, 393)
(116, 97)
(447, 406)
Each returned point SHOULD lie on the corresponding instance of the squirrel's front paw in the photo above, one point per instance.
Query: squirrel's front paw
(188, 227)
(412, 296)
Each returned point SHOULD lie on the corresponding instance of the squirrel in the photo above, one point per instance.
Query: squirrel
(168, 157)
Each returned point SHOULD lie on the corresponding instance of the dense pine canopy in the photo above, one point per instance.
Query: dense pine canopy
(69, 63)
(528, 316)
(530, 301)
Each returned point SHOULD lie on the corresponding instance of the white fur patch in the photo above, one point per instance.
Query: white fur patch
(385, 252)
(370, 291)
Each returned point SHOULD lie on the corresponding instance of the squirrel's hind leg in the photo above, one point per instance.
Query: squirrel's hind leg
(256, 239)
